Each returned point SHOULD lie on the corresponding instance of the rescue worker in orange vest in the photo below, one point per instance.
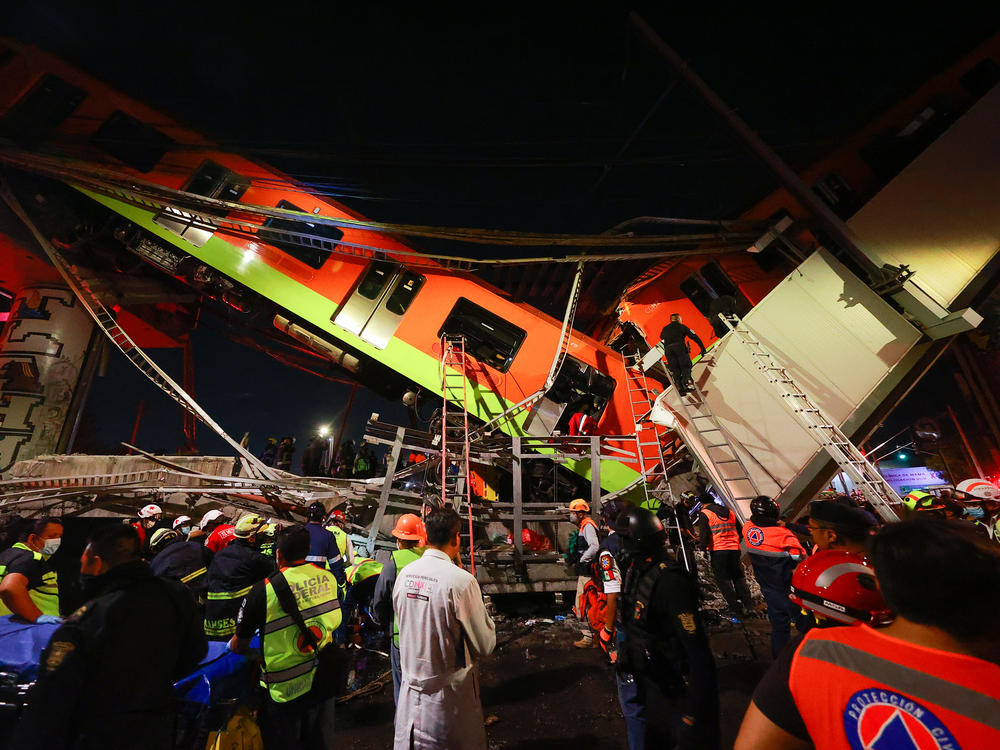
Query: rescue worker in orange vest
(930, 679)
(774, 552)
(719, 532)
(410, 541)
(835, 525)
(582, 556)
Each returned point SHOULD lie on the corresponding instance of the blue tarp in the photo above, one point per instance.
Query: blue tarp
(222, 675)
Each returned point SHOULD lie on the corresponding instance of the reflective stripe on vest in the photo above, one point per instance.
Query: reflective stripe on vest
(46, 595)
(772, 541)
(194, 574)
(217, 595)
(724, 534)
(855, 688)
(289, 662)
(402, 558)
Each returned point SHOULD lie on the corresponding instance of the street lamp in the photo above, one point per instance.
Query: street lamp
(324, 430)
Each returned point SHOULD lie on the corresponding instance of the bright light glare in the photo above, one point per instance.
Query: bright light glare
(324, 431)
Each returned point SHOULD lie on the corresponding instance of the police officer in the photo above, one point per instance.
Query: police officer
(410, 536)
(335, 525)
(929, 679)
(29, 587)
(298, 711)
(665, 651)
(719, 532)
(323, 549)
(182, 561)
(675, 348)
(774, 552)
(231, 575)
(106, 676)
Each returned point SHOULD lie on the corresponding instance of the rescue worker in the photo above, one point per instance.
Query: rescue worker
(409, 533)
(183, 525)
(299, 709)
(180, 560)
(106, 676)
(833, 525)
(719, 532)
(323, 550)
(444, 630)
(774, 552)
(724, 304)
(220, 532)
(29, 587)
(665, 653)
(582, 423)
(929, 679)
(583, 555)
(335, 525)
(364, 462)
(149, 516)
(231, 575)
(269, 534)
(675, 348)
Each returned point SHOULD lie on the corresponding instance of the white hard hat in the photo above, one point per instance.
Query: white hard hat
(181, 520)
(150, 510)
(212, 515)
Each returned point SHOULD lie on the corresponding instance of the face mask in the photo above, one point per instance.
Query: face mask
(51, 545)
(185, 530)
(974, 511)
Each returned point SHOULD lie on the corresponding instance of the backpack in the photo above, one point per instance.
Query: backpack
(593, 605)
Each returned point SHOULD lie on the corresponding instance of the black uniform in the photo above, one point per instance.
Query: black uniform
(230, 577)
(186, 562)
(666, 651)
(107, 673)
(675, 349)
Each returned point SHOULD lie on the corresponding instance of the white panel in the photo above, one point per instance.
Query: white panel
(837, 339)
(941, 214)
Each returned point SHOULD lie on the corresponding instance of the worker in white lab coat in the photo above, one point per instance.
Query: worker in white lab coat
(444, 629)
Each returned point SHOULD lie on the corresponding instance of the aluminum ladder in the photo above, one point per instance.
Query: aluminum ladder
(822, 429)
(455, 486)
(107, 323)
(737, 484)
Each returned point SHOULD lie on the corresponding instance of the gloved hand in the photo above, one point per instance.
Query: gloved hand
(606, 640)
(48, 620)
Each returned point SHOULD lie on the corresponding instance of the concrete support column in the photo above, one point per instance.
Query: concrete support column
(44, 376)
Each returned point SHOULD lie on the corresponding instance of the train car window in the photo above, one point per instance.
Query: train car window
(312, 250)
(697, 291)
(406, 289)
(718, 280)
(376, 278)
(488, 337)
(43, 107)
(131, 141)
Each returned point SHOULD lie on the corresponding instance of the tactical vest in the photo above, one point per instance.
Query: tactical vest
(402, 558)
(724, 534)
(643, 650)
(858, 688)
(46, 596)
(580, 546)
(226, 585)
(289, 661)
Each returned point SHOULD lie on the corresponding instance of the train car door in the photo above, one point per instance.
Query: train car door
(376, 307)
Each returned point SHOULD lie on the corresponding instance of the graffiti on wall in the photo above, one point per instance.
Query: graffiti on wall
(42, 349)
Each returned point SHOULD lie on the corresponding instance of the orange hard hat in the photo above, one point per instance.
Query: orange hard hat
(579, 505)
(409, 526)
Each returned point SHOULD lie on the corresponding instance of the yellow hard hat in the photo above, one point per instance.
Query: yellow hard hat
(579, 505)
(248, 525)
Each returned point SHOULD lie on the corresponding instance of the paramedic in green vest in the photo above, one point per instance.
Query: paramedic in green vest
(29, 587)
(294, 714)
(335, 525)
(410, 541)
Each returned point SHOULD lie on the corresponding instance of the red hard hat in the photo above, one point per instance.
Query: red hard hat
(338, 515)
(840, 585)
(409, 526)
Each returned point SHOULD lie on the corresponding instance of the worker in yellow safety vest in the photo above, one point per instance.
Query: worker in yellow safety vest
(296, 611)
(335, 525)
(29, 587)
(410, 541)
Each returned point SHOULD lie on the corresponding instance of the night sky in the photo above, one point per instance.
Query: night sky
(491, 115)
